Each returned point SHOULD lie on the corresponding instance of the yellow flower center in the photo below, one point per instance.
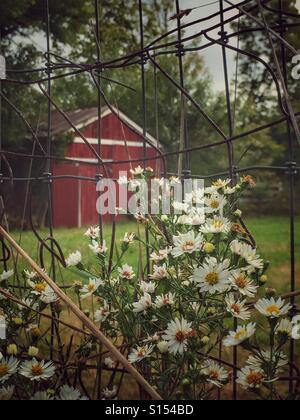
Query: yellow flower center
(217, 224)
(273, 310)
(214, 374)
(36, 332)
(36, 370)
(126, 274)
(212, 278)
(180, 336)
(188, 245)
(254, 378)
(40, 287)
(239, 335)
(215, 204)
(236, 308)
(241, 282)
(141, 353)
(218, 184)
(91, 287)
(3, 370)
(166, 300)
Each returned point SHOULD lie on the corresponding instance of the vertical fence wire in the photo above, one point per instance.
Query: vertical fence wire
(291, 176)
(99, 106)
(144, 115)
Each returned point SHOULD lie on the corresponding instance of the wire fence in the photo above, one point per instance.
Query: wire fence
(173, 43)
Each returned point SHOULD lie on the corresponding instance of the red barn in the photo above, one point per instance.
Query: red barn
(74, 200)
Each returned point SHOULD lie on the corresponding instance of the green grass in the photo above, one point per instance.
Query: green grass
(271, 234)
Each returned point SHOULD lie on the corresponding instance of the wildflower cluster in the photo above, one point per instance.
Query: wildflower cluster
(204, 287)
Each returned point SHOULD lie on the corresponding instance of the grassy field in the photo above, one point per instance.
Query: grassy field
(271, 234)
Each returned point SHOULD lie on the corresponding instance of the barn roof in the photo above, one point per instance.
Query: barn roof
(82, 117)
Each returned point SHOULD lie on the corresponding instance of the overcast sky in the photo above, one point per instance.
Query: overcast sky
(212, 55)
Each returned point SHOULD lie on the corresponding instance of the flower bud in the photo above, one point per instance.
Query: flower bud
(33, 351)
(271, 292)
(264, 278)
(205, 340)
(17, 321)
(238, 213)
(12, 350)
(163, 347)
(209, 248)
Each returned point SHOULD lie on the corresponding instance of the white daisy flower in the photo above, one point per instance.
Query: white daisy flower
(140, 353)
(102, 313)
(275, 360)
(216, 225)
(109, 363)
(242, 334)
(6, 393)
(248, 253)
(143, 304)
(165, 300)
(284, 327)
(134, 184)
(194, 217)
(152, 338)
(138, 171)
(296, 327)
(48, 296)
(110, 394)
(215, 204)
(128, 238)
(89, 289)
(74, 259)
(230, 190)
(8, 367)
(296, 320)
(6, 275)
(217, 186)
(68, 393)
(195, 197)
(148, 287)
(126, 272)
(216, 374)
(177, 335)
(236, 247)
(272, 308)
(180, 207)
(162, 254)
(250, 378)
(97, 248)
(238, 308)
(243, 284)
(213, 276)
(38, 287)
(159, 272)
(37, 371)
(93, 232)
(30, 274)
(186, 243)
